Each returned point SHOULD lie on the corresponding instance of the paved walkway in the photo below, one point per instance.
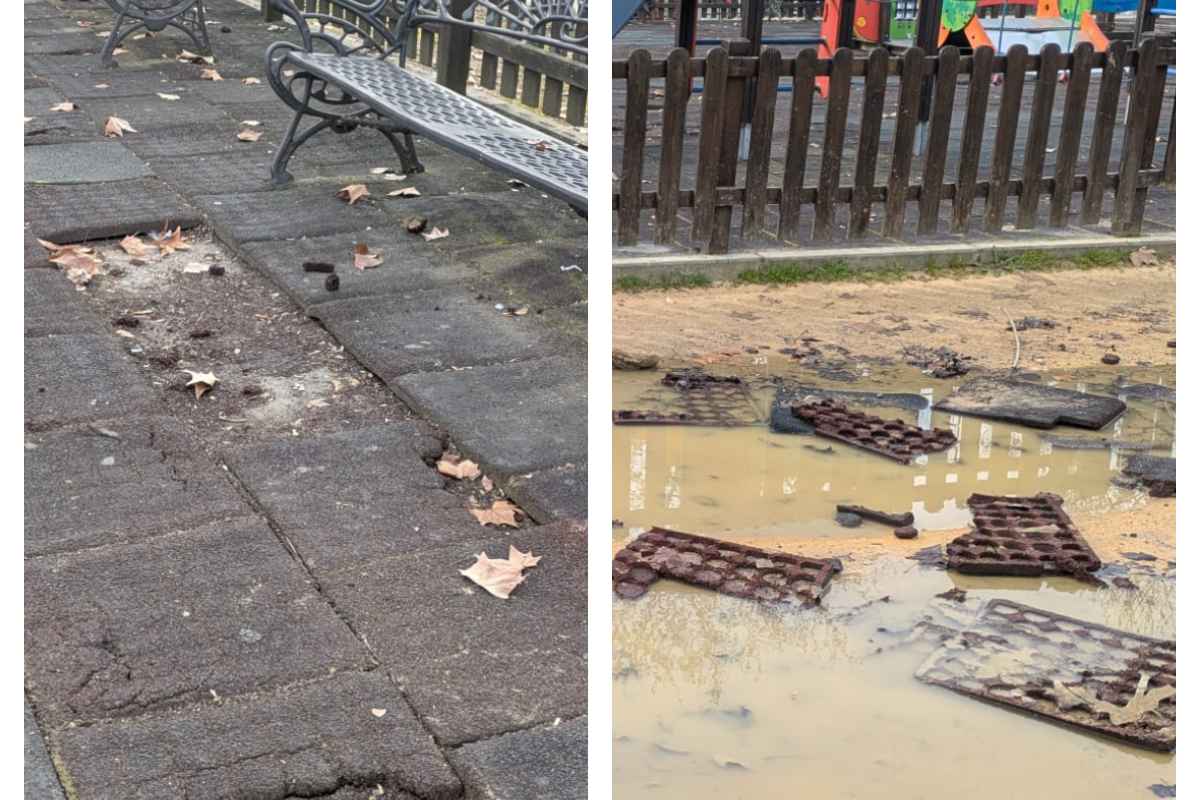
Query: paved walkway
(281, 616)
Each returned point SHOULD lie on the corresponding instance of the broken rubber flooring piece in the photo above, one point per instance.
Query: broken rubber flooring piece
(1100, 679)
(1024, 536)
(894, 439)
(1031, 404)
(726, 567)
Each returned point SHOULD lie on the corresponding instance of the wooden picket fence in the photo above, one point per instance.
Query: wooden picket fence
(552, 83)
(977, 194)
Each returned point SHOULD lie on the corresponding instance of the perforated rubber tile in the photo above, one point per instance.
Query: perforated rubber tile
(752, 573)
(1021, 536)
(894, 439)
(49, 298)
(289, 213)
(76, 378)
(1067, 670)
(80, 213)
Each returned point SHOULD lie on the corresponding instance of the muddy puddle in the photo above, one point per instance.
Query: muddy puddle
(719, 697)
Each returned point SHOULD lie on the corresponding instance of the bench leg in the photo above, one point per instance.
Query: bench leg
(291, 142)
(191, 22)
(405, 151)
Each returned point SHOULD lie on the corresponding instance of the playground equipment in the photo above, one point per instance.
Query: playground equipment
(999, 24)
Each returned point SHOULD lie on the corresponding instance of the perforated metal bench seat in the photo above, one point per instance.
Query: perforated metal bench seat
(456, 122)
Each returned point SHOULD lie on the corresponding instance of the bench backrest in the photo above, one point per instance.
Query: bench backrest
(352, 27)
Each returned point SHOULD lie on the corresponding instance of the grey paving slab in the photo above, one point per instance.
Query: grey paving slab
(1032, 404)
(288, 213)
(408, 265)
(64, 43)
(151, 112)
(56, 66)
(544, 763)
(36, 256)
(46, 126)
(83, 212)
(316, 740)
(186, 140)
(41, 780)
(246, 168)
(434, 330)
(532, 274)
(214, 612)
(83, 162)
(52, 305)
(489, 219)
(77, 378)
(550, 494)
(92, 88)
(86, 489)
(352, 498)
(512, 418)
(474, 665)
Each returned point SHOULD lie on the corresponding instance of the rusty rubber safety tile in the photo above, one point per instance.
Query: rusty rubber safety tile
(1066, 670)
(1022, 536)
(631, 417)
(726, 567)
(894, 439)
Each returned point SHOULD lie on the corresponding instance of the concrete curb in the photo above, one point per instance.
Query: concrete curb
(727, 267)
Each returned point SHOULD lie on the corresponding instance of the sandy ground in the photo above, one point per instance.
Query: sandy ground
(1130, 312)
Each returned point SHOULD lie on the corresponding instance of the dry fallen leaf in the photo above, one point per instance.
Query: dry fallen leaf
(364, 258)
(210, 75)
(193, 58)
(168, 241)
(201, 382)
(455, 467)
(407, 191)
(166, 96)
(64, 106)
(499, 576)
(79, 264)
(486, 483)
(353, 193)
(249, 136)
(502, 512)
(1143, 257)
(251, 123)
(436, 233)
(251, 81)
(115, 126)
(134, 246)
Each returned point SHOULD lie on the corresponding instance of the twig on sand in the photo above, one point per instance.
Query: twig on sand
(1016, 340)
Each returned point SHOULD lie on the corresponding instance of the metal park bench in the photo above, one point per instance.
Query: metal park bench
(155, 16)
(350, 73)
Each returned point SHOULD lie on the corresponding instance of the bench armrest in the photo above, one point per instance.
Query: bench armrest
(366, 19)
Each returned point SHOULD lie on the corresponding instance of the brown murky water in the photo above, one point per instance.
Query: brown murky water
(718, 697)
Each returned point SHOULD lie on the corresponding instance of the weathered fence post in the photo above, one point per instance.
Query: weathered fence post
(454, 52)
(762, 129)
(704, 208)
(1124, 218)
(269, 12)
(791, 197)
(675, 102)
(637, 99)
(731, 133)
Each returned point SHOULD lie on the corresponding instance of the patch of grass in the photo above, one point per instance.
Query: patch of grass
(680, 280)
(789, 273)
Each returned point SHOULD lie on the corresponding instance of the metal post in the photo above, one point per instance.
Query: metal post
(929, 26)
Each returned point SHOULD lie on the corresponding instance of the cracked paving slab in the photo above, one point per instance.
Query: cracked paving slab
(544, 763)
(85, 488)
(473, 665)
(77, 378)
(47, 293)
(349, 499)
(191, 617)
(322, 739)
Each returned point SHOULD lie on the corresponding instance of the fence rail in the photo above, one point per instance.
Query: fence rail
(965, 114)
(551, 83)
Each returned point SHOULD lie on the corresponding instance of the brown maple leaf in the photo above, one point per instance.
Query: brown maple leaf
(457, 467)
(502, 512)
(201, 382)
(210, 75)
(353, 193)
(115, 126)
(249, 135)
(499, 576)
(134, 246)
(64, 106)
(168, 241)
(364, 258)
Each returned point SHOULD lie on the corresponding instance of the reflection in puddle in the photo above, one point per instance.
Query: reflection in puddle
(716, 696)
